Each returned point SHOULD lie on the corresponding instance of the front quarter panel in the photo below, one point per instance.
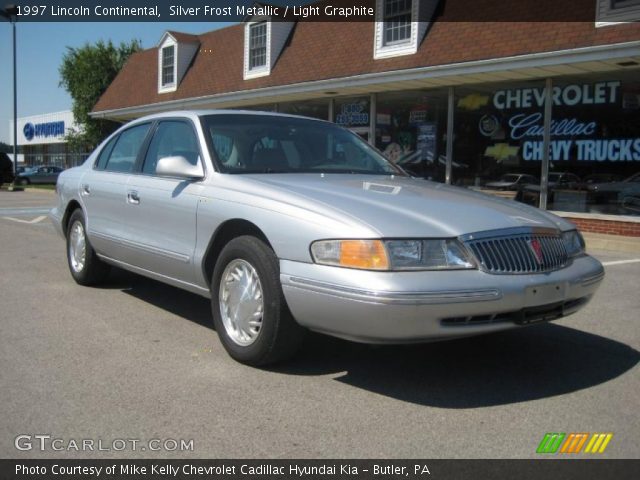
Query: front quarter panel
(289, 228)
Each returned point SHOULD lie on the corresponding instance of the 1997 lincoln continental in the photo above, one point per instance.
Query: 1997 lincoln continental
(289, 224)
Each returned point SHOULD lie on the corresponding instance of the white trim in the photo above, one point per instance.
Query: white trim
(585, 54)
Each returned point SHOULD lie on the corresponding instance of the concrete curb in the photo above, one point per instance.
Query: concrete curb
(616, 243)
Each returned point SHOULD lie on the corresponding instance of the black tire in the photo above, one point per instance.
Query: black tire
(280, 335)
(23, 181)
(93, 270)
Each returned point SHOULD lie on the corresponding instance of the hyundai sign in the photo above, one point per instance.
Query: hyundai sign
(44, 130)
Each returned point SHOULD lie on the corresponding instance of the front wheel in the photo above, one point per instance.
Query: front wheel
(85, 266)
(250, 314)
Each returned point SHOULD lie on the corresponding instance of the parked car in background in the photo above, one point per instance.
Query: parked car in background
(601, 178)
(618, 197)
(23, 169)
(557, 181)
(512, 181)
(39, 175)
(289, 223)
(6, 169)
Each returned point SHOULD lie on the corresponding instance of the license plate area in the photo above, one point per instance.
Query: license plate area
(545, 294)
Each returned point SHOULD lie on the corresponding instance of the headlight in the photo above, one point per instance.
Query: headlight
(438, 254)
(573, 242)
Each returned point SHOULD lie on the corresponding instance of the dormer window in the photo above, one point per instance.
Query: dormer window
(611, 12)
(168, 66)
(175, 52)
(400, 26)
(257, 45)
(397, 21)
(264, 41)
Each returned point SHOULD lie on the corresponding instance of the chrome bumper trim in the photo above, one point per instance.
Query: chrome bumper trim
(395, 298)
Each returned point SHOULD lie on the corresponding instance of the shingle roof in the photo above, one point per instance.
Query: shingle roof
(342, 49)
(184, 37)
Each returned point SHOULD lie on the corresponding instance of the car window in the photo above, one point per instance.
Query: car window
(124, 153)
(171, 139)
(280, 144)
(104, 154)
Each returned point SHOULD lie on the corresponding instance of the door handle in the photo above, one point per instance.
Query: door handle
(133, 198)
(86, 191)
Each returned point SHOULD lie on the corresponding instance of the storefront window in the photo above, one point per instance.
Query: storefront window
(494, 125)
(269, 107)
(311, 108)
(411, 131)
(595, 144)
(353, 113)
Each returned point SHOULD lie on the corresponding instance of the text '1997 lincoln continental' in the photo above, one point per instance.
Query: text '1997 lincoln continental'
(289, 224)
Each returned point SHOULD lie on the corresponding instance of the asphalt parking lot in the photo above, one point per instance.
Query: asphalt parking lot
(135, 359)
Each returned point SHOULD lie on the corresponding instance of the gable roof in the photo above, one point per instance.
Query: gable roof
(329, 50)
(183, 37)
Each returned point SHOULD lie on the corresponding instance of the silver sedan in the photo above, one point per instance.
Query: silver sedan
(290, 224)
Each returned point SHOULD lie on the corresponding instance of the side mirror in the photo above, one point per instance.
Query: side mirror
(178, 166)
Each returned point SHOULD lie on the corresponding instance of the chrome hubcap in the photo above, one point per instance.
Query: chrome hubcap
(77, 247)
(241, 302)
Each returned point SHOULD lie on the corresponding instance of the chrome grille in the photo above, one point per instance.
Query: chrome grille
(532, 251)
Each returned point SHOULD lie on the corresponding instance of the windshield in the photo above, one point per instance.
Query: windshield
(245, 143)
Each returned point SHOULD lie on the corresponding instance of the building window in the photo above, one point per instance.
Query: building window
(397, 21)
(258, 45)
(611, 12)
(616, 4)
(168, 61)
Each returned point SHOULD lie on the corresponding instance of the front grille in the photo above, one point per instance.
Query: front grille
(523, 252)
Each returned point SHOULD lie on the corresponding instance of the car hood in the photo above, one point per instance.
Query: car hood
(401, 206)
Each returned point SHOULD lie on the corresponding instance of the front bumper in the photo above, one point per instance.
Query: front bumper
(400, 307)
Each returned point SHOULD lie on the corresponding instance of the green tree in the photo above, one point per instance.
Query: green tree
(5, 147)
(85, 73)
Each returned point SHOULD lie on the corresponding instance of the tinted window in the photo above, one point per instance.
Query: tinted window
(171, 139)
(104, 154)
(280, 144)
(124, 153)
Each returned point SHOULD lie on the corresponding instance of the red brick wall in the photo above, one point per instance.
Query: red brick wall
(628, 229)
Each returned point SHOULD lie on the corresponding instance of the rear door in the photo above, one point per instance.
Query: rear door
(104, 192)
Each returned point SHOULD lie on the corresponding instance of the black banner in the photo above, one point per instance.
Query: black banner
(299, 10)
(544, 469)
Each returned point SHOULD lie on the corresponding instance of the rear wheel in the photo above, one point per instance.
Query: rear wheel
(85, 266)
(250, 314)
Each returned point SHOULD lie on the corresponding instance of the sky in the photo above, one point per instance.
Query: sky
(40, 49)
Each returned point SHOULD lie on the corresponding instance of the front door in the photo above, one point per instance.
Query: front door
(160, 212)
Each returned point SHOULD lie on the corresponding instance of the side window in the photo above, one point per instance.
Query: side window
(104, 154)
(171, 139)
(124, 153)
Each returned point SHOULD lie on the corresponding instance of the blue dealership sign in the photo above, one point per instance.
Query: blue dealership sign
(49, 129)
